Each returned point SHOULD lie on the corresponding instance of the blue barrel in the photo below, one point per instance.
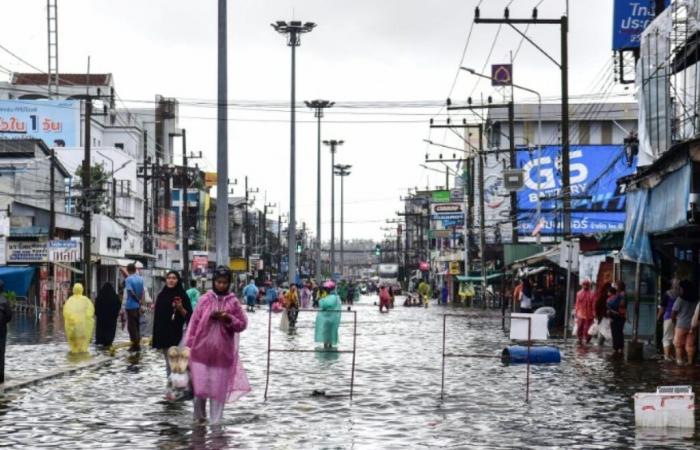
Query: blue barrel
(517, 354)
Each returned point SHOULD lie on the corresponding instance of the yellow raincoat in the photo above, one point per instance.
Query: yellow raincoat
(79, 320)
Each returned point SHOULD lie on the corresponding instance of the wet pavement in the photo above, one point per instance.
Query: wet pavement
(584, 402)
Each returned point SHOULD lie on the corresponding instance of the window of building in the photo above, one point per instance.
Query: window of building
(584, 133)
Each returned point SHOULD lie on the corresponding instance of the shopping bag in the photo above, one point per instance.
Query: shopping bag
(593, 329)
(604, 328)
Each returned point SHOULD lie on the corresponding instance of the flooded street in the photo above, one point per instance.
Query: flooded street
(584, 402)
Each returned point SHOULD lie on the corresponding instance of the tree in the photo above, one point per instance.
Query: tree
(96, 197)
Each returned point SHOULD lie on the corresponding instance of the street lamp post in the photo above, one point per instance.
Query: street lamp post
(293, 29)
(539, 135)
(342, 170)
(318, 106)
(222, 250)
(333, 144)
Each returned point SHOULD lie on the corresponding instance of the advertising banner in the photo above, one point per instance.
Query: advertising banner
(598, 204)
(200, 263)
(447, 215)
(630, 18)
(57, 123)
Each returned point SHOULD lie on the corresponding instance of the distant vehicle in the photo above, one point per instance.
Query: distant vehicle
(389, 276)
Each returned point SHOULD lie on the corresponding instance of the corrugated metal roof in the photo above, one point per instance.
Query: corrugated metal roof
(64, 79)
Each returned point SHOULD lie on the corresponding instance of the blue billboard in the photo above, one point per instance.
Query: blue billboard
(598, 204)
(630, 18)
(57, 122)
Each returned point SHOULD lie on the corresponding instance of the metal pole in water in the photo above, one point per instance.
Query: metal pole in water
(269, 334)
(442, 381)
(354, 343)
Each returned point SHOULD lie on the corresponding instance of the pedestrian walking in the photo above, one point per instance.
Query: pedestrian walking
(250, 292)
(526, 294)
(665, 315)
(424, 292)
(315, 295)
(133, 298)
(213, 337)
(5, 318)
(193, 293)
(685, 334)
(291, 305)
(444, 293)
(617, 312)
(107, 306)
(172, 311)
(384, 299)
(78, 320)
(328, 317)
(305, 296)
(352, 292)
(585, 311)
(270, 296)
(601, 313)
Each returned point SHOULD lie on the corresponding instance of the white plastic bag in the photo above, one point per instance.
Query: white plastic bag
(574, 330)
(284, 321)
(593, 329)
(604, 329)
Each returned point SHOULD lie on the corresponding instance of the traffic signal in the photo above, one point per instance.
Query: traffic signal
(298, 248)
(378, 250)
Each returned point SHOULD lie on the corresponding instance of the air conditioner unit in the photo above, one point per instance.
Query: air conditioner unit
(513, 179)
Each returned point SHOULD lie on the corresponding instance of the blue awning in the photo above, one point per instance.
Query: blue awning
(657, 210)
(17, 279)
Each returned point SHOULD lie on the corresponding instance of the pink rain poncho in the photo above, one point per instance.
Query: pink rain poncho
(215, 365)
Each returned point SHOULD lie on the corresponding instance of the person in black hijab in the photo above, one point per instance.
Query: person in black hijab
(107, 306)
(172, 311)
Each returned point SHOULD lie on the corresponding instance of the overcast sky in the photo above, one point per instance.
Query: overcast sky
(362, 50)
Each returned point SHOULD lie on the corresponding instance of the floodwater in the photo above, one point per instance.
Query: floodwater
(584, 402)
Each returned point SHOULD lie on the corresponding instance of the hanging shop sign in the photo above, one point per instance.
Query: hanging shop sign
(66, 251)
(27, 251)
(455, 268)
(630, 18)
(57, 123)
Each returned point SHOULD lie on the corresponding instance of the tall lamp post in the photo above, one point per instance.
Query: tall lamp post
(342, 170)
(333, 144)
(318, 106)
(222, 249)
(539, 134)
(293, 30)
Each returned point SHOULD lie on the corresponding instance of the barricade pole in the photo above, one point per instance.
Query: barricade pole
(269, 340)
(529, 343)
(354, 344)
(442, 381)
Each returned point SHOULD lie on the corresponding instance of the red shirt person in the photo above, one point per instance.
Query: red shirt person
(585, 310)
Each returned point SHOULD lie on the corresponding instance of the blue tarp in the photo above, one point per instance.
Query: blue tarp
(17, 279)
(657, 210)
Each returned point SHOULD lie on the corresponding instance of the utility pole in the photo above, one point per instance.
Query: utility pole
(563, 66)
(246, 229)
(87, 213)
(342, 170)
(482, 217)
(146, 162)
(52, 222)
(511, 154)
(293, 30)
(318, 106)
(185, 214)
(222, 219)
(333, 144)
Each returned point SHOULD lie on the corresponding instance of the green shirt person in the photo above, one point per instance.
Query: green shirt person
(193, 293)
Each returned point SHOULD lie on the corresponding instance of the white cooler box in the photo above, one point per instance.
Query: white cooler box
(669, 406)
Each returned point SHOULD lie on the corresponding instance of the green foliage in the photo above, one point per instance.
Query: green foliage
(97, 195)
(11, 297)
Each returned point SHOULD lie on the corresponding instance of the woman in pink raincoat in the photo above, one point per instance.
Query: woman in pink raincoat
(213, 337)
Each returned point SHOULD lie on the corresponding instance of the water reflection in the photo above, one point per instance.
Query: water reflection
(585, 402)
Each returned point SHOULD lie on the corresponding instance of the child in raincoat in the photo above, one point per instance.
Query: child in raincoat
(213, 337)
(79, 320)
(328, 317)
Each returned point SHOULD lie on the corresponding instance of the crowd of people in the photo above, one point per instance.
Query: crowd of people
(197, 334)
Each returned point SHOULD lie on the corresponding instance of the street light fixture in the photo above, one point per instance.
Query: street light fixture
(539, 132)
(342, 170)
(333, 144)
(318, 106)
(293, 29)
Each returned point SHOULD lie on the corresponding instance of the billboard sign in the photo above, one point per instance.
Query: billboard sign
(447, 215)
(57, 122)
(630, 18)
(598, 203)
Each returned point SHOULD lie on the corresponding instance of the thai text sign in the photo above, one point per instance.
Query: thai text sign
(64, 251)
(598, 203)
(57, 123)
(630, 18)
(26, 251)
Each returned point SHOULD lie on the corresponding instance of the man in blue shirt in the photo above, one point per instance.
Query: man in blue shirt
(251, 296)
(270, 296)
(133, 297)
